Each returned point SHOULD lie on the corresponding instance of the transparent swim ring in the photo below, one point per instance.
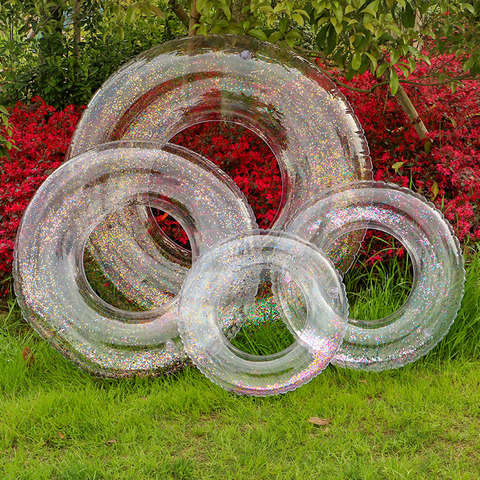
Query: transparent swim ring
(300, 114)
(50, 280)
(136, 260)
(235, 265)
(437, 261)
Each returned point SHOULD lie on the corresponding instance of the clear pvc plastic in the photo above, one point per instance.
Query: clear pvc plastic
(437, 262)
(50, 280)
(136, 259)
(229, 271)
(287, 101)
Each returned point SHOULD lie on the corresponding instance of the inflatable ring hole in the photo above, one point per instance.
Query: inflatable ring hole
(169, 235)
(103, 287)
(244, 156)
(379, 281)
(263, 332)
(101, 292)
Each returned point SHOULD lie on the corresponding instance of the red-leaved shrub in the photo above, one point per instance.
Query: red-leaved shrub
(446, 169)
(41, 135)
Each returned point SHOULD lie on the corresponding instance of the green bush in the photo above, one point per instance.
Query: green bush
(64, 69)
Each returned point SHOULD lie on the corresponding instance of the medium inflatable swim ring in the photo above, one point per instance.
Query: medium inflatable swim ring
(50, 280)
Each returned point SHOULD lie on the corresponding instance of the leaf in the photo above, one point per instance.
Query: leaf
(397, 166)
(227, 12)
(412, 64)
(157, 11)
(394, 83)
(145, 9)
(454, 122)
(130, 14)
(278, 8)
(202, 29)
(320, 421)
(111, 442)
(370, 12)
(434, 190)
(408, 16)
(293, 34)
(469, 64)
(373, 60)
(427, 147)
(404, 70)
(370, 27)
(356, 60)
(274, 37)
(257, 34)
(61, 435)
(394, 56)
(302, 12)
(338, 12)
(331, 40)
(28, 357)
(4, 152)
(475, 69)
(381, 69)
(201, 5)
(298, 18)
(120, 32)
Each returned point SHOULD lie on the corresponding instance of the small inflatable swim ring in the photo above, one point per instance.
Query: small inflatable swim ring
(231, 270)
(437, 262)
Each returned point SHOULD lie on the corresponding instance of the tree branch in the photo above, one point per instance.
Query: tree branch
(444, 82)
(32, 33)
(379, 84)
(194, 18)
(412, 114)
(76, 28)
(313, 53)
(181, 14)
(353, 89)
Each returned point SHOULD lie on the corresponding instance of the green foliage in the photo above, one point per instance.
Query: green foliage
(5, 144)
(384, 36)
(63, 50)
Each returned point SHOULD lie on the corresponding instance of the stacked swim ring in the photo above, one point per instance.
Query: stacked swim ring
(121, 166)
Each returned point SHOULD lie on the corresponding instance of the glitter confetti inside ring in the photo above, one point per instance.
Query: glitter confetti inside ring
(235, 265)
(144, 263)
(437, 262)
(50, 281)
(300, 114)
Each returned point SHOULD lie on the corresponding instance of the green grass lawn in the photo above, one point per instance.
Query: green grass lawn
(59, 423)
(418, 422)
